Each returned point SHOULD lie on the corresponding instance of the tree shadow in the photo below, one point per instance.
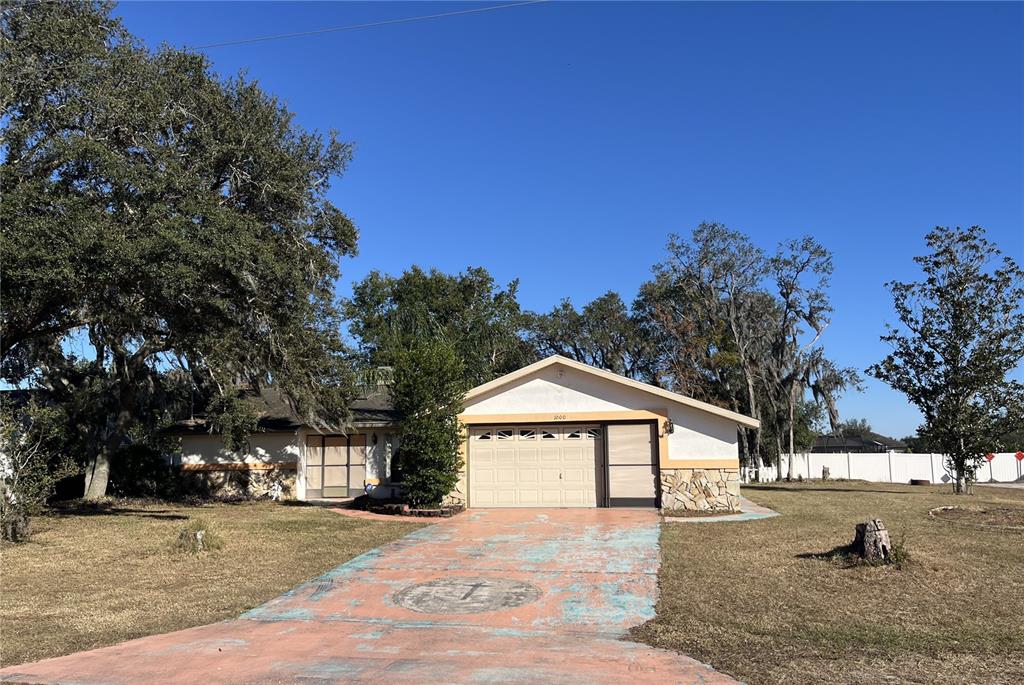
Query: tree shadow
(777, 488)
(845, 556)
(836, 553)
(80, 509)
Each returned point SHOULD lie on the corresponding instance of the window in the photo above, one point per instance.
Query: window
(486, 435)
(574, 434)
(548, 435)
(527, 434)
(504, 434)
(593, 434)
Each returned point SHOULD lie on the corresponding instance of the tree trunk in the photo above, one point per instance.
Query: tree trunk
(791, 450)
(97, 473)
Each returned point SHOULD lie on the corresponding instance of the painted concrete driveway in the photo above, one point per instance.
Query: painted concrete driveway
(489, 597)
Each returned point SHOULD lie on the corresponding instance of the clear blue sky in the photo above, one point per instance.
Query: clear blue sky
(560, 143)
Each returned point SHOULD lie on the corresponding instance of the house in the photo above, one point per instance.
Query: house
(864, 443)
(556, 433)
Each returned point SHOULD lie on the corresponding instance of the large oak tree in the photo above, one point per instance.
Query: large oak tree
(160, 216)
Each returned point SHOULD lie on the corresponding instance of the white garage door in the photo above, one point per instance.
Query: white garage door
(534, 466)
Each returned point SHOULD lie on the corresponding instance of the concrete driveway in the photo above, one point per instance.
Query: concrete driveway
(489, 597)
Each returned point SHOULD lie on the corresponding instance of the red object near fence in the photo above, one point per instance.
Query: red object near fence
(1020, 456)
(990, 456)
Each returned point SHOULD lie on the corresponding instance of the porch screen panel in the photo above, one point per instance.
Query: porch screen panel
(356, 465)
(335, 467)
(314, 466)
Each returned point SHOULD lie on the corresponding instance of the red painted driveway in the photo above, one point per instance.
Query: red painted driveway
(510, 596)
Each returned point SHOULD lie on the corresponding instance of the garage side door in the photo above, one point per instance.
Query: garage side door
(534, 466)
(632, 469)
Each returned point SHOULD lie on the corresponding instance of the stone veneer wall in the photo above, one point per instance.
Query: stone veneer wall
(457, 497)
(241, 484)
(700, 489)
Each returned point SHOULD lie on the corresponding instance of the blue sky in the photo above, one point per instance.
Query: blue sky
(561, 143)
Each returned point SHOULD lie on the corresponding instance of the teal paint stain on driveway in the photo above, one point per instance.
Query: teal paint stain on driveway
(592, 574)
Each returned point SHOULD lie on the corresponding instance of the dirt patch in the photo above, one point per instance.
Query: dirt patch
(990, 517)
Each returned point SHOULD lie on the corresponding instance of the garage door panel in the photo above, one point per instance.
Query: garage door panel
(529, 497)
(505, 498)
(528, 455)
(550, 476)
(529, 476)
(551, 455)
(551, 498)
(543, 466)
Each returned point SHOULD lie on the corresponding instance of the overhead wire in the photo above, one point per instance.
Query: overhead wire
(353, 27)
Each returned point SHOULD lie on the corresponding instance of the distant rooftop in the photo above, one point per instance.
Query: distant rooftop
(867, 442)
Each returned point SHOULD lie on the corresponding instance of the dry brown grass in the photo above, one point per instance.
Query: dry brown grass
(764, 602)
(89, 579)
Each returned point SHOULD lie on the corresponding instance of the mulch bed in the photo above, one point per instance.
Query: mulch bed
(689, 513)
(400, 509)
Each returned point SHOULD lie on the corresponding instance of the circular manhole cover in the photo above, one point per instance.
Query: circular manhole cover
(466, 595)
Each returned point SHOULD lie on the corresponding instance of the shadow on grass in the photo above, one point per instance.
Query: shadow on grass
(795, 487)
(79, 508)
(840, 553)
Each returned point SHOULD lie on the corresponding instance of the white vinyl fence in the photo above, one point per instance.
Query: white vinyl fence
(887, 467)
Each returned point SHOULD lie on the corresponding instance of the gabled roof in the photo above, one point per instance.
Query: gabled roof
(556, 359)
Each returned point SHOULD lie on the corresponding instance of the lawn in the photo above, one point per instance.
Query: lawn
(759, 599)
(90, 578)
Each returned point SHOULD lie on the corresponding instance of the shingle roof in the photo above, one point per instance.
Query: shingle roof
(868, 442)
(276, 414)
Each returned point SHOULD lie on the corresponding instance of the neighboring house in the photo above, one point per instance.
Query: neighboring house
(556, 433)
(867, 442)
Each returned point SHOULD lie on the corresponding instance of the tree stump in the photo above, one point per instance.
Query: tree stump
(871, 540)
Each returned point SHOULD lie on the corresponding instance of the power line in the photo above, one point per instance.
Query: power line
(353, 27)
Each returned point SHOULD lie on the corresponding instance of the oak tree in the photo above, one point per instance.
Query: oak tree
(161, 216)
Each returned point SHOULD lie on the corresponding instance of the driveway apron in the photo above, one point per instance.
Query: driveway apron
(489, 597)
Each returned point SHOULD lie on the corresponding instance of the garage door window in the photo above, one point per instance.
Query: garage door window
(484, 436)
(527, 434)
(548, 435)
(504, 434)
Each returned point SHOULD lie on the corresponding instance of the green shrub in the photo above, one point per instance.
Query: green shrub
(29, 468)
(428, 386)
(197, 536)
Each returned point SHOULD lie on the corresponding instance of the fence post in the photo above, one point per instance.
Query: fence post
(849, 467)
(890, 466)
(931, 464)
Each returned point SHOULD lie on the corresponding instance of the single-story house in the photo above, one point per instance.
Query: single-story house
(556, 433)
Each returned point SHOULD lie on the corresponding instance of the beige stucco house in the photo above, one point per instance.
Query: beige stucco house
(556, 433)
